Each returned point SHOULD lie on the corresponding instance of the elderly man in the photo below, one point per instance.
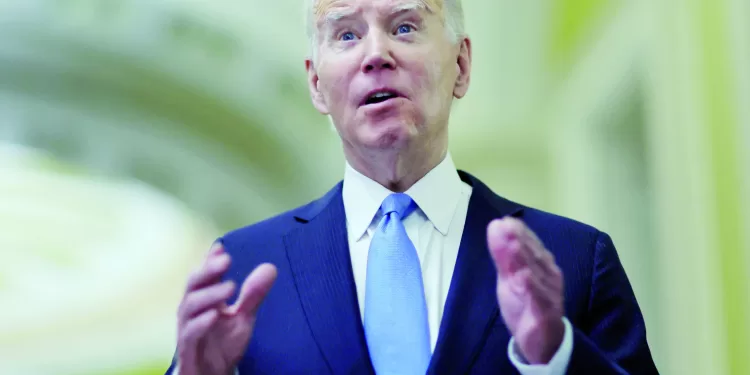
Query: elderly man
(408, 266)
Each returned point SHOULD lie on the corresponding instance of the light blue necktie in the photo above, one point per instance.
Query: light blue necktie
(396, 327)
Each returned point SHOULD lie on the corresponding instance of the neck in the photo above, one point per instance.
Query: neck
(397, 169)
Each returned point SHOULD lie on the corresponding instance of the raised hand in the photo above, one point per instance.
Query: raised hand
(529, 289)
(211, 336)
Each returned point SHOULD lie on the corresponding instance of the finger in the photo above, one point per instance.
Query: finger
(531, 257)
(544, 269)
(210, 272)
(198, 301)
(555, 279)
(503, 247)
(196, 328)
(541, 294)
(518, 281)
(551, 269)
(534, 249)
(539, 254)
(511, 247)
(216, 249)
(535, 265)
(254, 289)
(527, 284)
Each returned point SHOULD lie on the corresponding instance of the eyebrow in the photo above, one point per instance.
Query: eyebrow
(338, 14)
(411, 5)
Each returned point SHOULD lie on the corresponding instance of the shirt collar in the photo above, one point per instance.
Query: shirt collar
(436, 194)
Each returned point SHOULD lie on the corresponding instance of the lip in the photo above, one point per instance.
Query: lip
(382, 106)
(397, 93)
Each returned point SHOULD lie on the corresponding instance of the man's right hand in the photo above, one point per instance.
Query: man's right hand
(211, 336)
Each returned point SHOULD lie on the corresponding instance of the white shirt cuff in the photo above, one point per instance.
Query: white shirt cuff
(556, 366)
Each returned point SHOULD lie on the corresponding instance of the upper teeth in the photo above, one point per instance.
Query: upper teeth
(381, 94)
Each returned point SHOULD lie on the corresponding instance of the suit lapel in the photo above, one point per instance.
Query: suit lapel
(318, 252)
(471, 307)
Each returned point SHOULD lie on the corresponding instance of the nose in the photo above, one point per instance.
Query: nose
(379, 55)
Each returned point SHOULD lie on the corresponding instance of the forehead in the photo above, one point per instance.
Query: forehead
(323, 9)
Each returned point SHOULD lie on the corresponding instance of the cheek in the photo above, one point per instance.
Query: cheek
(430, 83)
(423, 80)
(335, 89)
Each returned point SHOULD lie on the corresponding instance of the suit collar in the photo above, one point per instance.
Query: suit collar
(483, 194)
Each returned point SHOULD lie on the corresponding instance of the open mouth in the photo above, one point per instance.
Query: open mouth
(380, 97)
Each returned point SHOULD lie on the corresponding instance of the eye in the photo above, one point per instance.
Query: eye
(347, 36)
(404, 29)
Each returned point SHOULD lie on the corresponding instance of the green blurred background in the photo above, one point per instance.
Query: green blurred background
(134, 132)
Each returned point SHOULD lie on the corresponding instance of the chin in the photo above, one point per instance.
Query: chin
(389, 134)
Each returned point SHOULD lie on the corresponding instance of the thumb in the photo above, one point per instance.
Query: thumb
(503, 247)
(254, 290)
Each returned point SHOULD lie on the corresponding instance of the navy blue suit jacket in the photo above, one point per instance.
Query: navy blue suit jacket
(310, 322)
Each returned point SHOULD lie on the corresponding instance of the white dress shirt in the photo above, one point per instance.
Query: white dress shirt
(435, 228)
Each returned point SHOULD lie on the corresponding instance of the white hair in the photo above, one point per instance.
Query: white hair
(454, 23)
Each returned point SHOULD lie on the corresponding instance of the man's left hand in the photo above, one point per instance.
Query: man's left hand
(529, 289)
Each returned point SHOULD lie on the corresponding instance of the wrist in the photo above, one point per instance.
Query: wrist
(541, 353)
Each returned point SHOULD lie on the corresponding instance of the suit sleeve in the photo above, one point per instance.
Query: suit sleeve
(172, 370)
(611, 338)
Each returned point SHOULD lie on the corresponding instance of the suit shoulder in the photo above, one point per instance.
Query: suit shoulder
(274, 226)
(554, 228)
(558, 221)
(267, 234)
(548, 226)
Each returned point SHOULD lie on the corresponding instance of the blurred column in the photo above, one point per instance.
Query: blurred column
(695, 144)
(601, 164)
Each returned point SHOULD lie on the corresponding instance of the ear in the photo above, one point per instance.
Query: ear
(463, 68)
(313, 83)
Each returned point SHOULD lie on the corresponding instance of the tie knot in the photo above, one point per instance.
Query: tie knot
(399, 203)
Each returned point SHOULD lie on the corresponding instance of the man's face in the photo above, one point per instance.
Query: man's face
(386, 70)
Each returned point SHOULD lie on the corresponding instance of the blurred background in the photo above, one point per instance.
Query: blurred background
(134, 132)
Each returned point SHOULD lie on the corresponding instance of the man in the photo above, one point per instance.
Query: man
(408, 266)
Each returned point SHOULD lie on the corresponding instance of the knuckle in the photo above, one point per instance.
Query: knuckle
(191, 300)
(184, 338)
(538, 252)
(180, 311)
(194, 277)
(556, 272)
